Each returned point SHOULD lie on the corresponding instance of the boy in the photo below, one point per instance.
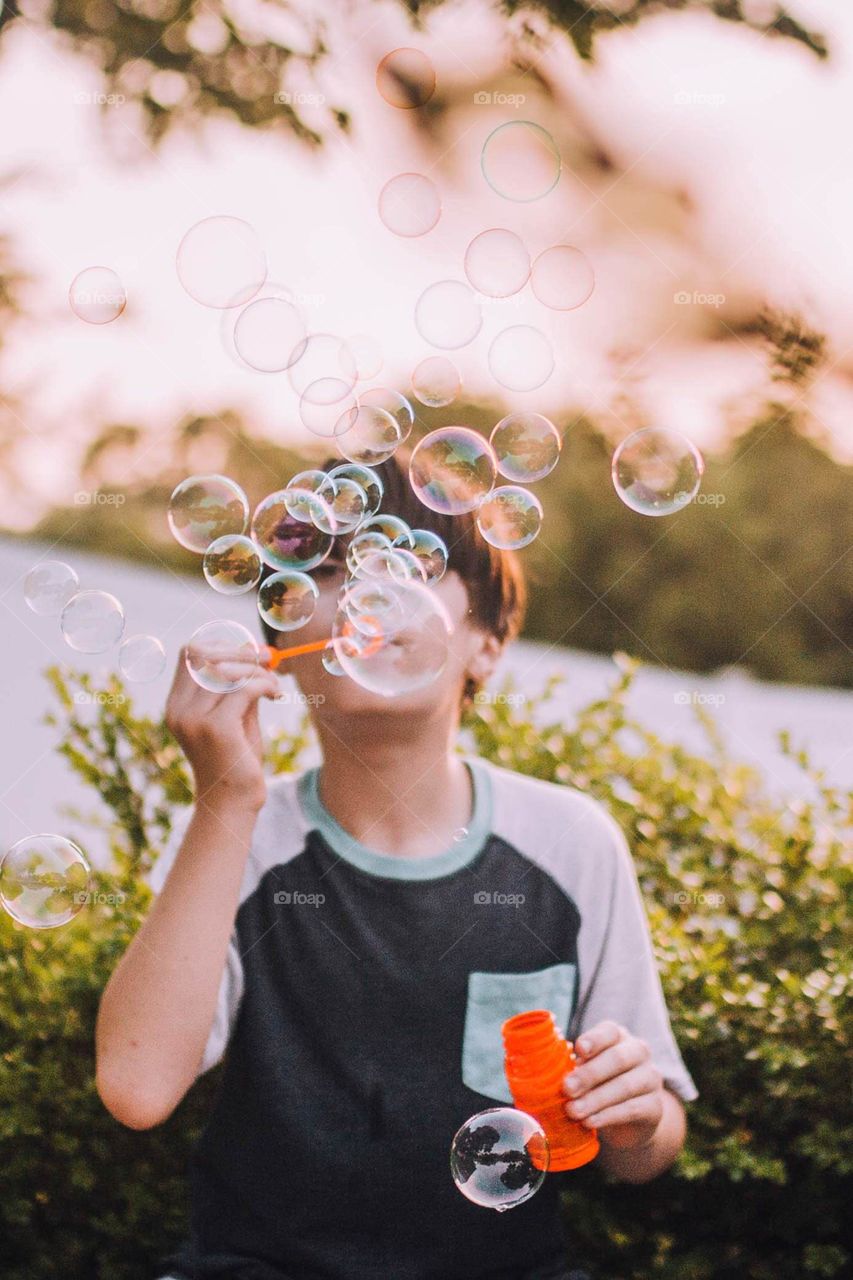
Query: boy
(355, 938)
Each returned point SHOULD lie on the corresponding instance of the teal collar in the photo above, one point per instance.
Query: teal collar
(460, 854)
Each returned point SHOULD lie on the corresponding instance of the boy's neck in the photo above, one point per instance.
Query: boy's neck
(397, 798)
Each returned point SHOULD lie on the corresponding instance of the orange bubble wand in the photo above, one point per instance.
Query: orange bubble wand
(273, 658)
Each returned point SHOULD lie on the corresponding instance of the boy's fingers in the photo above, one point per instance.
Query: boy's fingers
(623, 1052)
(630, 1084)
(599, 1037)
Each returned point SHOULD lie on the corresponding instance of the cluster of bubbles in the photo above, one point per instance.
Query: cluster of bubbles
(499, 1158)
(91, 621)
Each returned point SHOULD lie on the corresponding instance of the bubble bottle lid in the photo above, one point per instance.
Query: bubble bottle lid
(538, 1058)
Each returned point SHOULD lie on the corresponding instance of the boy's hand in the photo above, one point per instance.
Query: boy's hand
(220, 735)
(615, 1088)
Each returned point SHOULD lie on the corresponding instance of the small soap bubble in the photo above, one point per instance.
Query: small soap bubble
(329, 660)
(97, 295)
(372, 437)
(288, 542)
(521, 161)
(452, 469)
(232, 564)
(405, 78)
(510, 517)
(394, 637)
(527, 446)
(499, 1158)
(204, 508)
(436, 381)
(363, 545)
(448, 315)
(461, 833)
(656, 471)
(394, 403)
(221, 262)
(328, 408)
(393, 527)
(222, 656)
(44, 881)
(497, 263)
(268, 334)
(367, 354)
(367, 479)
(49, 586)
(141, 658)
(521, 358)
(300, 505)
(409, 205)
(92, 621)
(430, 550)
(348, 502)
(321, 363)
(287, 600)
(562, 278)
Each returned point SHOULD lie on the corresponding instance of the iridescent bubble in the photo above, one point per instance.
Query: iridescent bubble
(431, 551)
(393, 527)
(329, 660)
(527, 446)
(313, 507)
(656, 471)
(367, 354)
(92, 621)
(521, 358)
(204, 508)
(300, 506)
(221, 262)
(392, 402)
(499, 1158)
(405, 78)
(409, 205)
(497, 263)
(363, 545)
(268, 334)
(521, 161)
(320, 363)
(44, 881)
(510, 517)
(328, 408)
(49, 586)
(562, 278)
(372, 438)
(97, 295)
(232, 564)
(287, 600)
(395, 636)
(141, 658)
(222, 656)
(452, 469)
(284, 541)
(436, 381)
(448, 315)
(348, 502)
(395, 564)
(367, 479)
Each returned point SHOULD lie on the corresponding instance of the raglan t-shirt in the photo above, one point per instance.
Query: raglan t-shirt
(360, 1016)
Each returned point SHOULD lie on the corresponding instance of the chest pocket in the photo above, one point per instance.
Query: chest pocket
(494, 997)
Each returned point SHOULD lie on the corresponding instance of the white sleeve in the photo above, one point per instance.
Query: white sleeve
(622, 983)
(231, 983)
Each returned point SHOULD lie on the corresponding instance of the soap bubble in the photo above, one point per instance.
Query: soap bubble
(510, 517)
(299, 488)
(521, 161)
(221, 262)
(520, 358)
(431, 551)
(367, 479)
(394, 528)
(328, 408)
(44, 881)
(656, 471)
(409, 205)
(321, 361)
(329, 660)
(204, 508)
(372, 437)
(287, 600)
(222, 656)
(396, 564)
(232, 564)
(497, 263)
(363, 545)
(97, 295)
(447, 315)
(562, 278)
(405, 78)
(392, 402)
(395, 637)
(312, 507)
(92, 621)
(436, 381)
(285, 541)
(348, 502)
(499, 1158)
(527, 446)
(367, 354)
(141, 658)
(49, 586)
(452, 469)
(268, 334)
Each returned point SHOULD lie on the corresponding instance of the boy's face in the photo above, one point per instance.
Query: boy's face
(332, 698)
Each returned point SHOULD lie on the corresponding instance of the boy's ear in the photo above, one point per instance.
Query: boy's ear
(485, 657)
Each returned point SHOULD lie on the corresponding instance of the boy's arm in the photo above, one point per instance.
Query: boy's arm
(158, 1007)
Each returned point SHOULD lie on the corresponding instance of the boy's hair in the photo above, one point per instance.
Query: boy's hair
(494, 579)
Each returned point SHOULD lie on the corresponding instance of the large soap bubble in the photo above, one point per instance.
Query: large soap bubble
(222, 656)
(436, 381)
(409, 205)
(97, 295)
(44, 881)
(448, 315)
(527, 446)
(452, 469)
(562, 278)
(521, 161)
(232, 564)
(656, 471)
(141, 658)
(287, 600)
(392, 637)
(392, 402)
(92, 621)
(268, 334)
(221, 262)
(203, 508)
(49, 586)
(499, 1158)
(406, 78)
(510, 517)
(286, 541)
(497, 263)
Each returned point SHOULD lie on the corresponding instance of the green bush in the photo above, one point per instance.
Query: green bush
(747, 904)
